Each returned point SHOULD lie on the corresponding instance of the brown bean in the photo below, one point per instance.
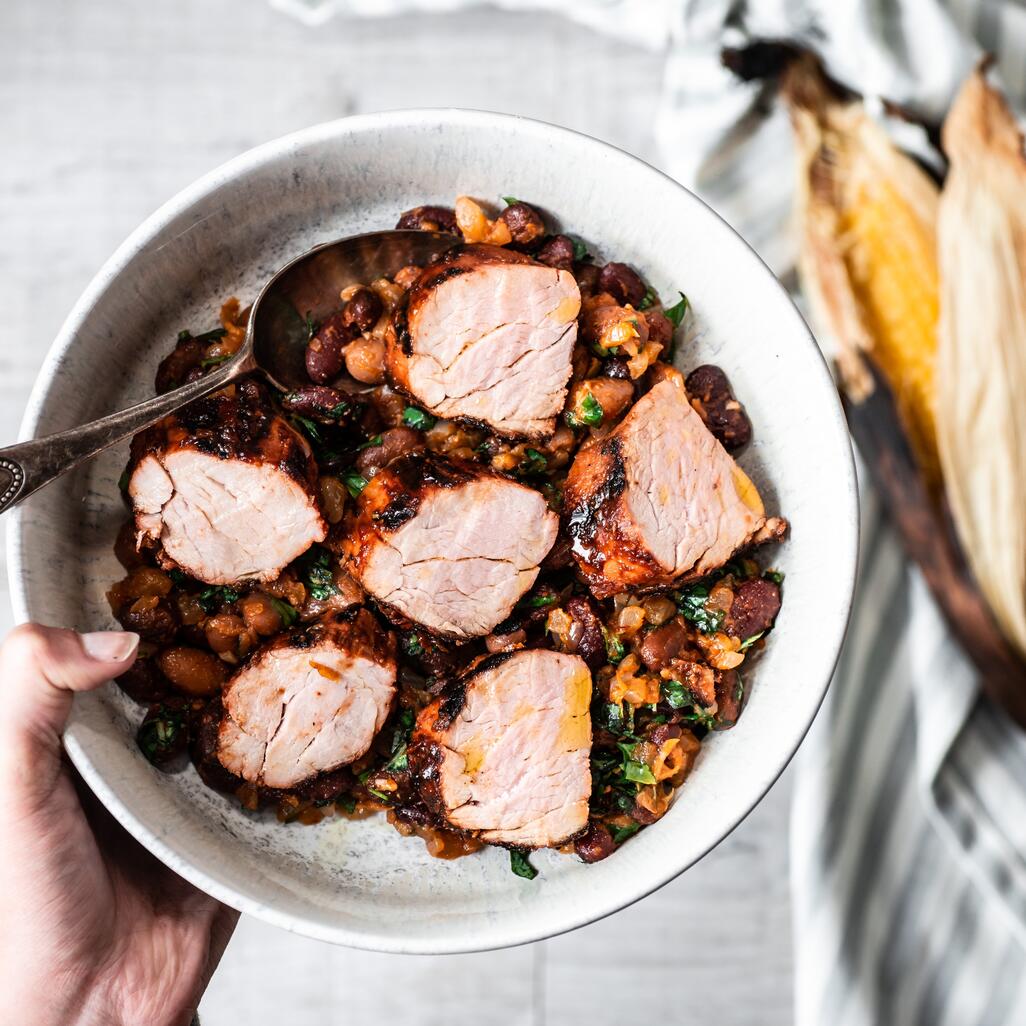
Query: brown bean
(142, 682)
(660, 329)
(754, 609)
(729, 696)
(192, 670)
(710, 394)
(394, 443)
(660, 733)
(124, 546)
(333, 498)
(363, 310)
(222, 632)
(389, 405)
(557, 251)
(321, 403)
(613, 396)
(429, 219)
(365, 360)
(324, 352)
(586, 638)
(506, 642)
(173, 370)
(203, 746)
(596, 844)
(523, 222)
(622, 283)
(258, 612)
(152, 618)
(587, 276)
(663, 644)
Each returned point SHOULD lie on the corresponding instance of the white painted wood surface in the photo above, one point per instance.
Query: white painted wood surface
(107, 108)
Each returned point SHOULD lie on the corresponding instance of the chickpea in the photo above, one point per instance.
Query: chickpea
(333, 498)
(365, 360)
(222, 632)
(192, 670)
(259, 614)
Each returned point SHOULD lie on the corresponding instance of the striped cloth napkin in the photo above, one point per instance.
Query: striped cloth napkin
(909, 821)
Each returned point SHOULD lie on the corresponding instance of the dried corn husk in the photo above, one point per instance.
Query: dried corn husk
(867, 223)
(981, 376)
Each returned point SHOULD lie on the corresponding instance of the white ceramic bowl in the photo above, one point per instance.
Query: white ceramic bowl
(360, 883)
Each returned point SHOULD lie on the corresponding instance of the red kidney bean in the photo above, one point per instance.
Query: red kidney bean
(430, 219)
(557, 251)
(586, 632)
(152, 618)
(523, 223)
(394, 442)
(724, 416)
(587, 276)
(596, 844)
(175, 367)
(324, 352)
(729, 696)
(664, 644)
(319, 402)
(660, 329)
(622, 283)
(755, 607)
(143, 682)
(363, 310)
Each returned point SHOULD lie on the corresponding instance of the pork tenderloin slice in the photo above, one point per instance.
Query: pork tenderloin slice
(448, 544)
(659, 501)
(310, 701)
(226, 489)
(505, 755)
(487, 335)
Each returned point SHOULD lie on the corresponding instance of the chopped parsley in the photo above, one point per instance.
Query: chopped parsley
(638, 772)
(647, 300)
(591, 411)
(675, 694)
(339, 410)
(311, 325)
(371, 443)
(748, 642)
(348, 803)
(381, 796)
(219, 594)
(215, 361)
(319, 577)
(775, 576)
(536, 462)
(580, 249)
(521, 865)
(123, 480)
(288, 613)
(308, 426)
(622, 833)
(355, 482)
(400, 739)
(610, 715)
(537, 601)
(615, 650)
(691, 605)
(416, 418)
(412, 645)
(676, 312)
(510, 200)
(159, 737)
(207, 336)
(177, 577)
(702, 717)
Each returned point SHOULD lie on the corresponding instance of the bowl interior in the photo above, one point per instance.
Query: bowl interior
(360, 883)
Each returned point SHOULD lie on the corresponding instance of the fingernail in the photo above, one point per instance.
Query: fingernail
(110, 646)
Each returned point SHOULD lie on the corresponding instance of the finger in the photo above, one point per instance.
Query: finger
(40, 669)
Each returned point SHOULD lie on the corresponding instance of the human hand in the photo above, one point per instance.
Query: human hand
(94, 929)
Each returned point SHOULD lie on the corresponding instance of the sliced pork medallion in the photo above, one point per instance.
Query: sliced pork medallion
(486, 335)
(226, 488)
(447, 543)
(659, 500)
(505, 753)
(310, 701)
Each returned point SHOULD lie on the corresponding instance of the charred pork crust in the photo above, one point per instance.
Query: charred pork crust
(241, 427)
(454, 694)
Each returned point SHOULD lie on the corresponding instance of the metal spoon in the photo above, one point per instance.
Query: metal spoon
(276, 337)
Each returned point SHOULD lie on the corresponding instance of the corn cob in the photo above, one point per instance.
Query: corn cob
(867, 220)
(981, 376)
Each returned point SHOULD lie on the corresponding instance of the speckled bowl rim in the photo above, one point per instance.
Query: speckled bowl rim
(212, 882)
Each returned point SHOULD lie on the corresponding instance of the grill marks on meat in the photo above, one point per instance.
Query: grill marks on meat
(226, 488)
(486, 335)
(505, 754)
(448, 544)
(658, 500)
(310, 701)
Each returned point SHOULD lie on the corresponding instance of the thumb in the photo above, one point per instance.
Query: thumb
(40, 669)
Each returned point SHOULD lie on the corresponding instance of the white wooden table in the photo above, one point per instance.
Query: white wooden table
(107, 108)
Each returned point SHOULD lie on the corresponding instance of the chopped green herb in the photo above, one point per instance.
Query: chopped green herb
(184, 334)
(775, 576)
(748, 642)
(638, 772)
(308, 426)
(371, 443)
(123, 480)
(537, 601)
(158, 737)
(591, 411)
(288, 613)
(417, 418)
(675, 694)
(520, 864)
(319, 577)
(647, 300)
(378, 794)
(338, 410)
(214, 361)
(219, 594)
(739, 690)
(400, 739)
(536, 462)
(691, 604)
(580, 249)
(702, 717)
(311, 326)
(348, 803)
(412, 645)
(611, 717)
(177, 577)
(676, 312)
(622, 833)
(211, 336)
(355, 482)
(510, 200)
(614, 647)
